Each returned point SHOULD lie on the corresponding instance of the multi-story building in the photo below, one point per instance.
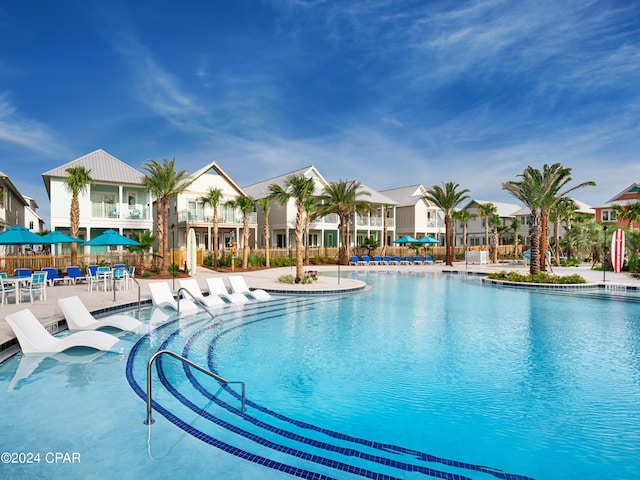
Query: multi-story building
(117, 199)
(415, 216)
(188, 210)
(12, 204)
(323, 231)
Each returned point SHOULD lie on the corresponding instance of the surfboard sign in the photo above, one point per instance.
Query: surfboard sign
(617, 250)
(192, 252)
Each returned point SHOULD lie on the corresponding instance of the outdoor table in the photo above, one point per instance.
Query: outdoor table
(17, 282)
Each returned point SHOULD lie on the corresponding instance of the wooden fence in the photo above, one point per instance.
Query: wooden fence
(37, 262)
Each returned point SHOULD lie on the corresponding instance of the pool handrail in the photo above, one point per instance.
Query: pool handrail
(220, 379)
(195, 300)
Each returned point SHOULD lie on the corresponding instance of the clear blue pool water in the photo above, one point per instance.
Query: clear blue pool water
(421, 376)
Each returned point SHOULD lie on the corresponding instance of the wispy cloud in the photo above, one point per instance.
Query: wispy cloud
(19, 130)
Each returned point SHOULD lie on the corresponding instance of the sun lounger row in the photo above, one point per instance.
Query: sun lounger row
(192, 298)
(387, 260)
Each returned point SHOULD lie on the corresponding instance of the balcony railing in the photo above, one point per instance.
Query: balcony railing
(188, 217)
(119, 211)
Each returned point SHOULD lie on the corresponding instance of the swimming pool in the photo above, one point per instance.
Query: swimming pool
(422, 376)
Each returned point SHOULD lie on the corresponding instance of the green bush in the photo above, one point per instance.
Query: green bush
(286, 279)
(538, 278)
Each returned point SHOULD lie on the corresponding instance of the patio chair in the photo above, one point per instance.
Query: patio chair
(75, 274)
(354, 260)
(238, 285)
(79, 318)
(365, 260)
(37, 286)
(397, 260)
(216, 287)
(417, 259)
(387, 260)
(377, 260)
(428, 260)
(34, 338)
(22, 272)
(162, 297)
(407, 260)
(52, 276)
(6, 289)
(191, 286)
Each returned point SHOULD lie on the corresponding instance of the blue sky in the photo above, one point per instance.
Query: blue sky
(390, 93)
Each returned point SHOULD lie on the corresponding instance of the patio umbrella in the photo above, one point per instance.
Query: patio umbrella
(19, 235)
(406, 239)
(59, 237)
(111, 238)
(427, 240)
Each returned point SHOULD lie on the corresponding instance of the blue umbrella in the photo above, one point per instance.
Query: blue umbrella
(19, 235)
(111, 238)
(427, 240)
(406, 239)
(59, 237)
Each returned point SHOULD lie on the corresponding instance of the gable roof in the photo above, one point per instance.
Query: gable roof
(14, 189)
(634, 188)
(581, 208)
(375, 196)
(261, 189)
(214, 166)
(104, 168)
(406, 196)
(503, 209)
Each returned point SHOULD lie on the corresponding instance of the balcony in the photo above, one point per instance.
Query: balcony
(119, 211)
(185, 216)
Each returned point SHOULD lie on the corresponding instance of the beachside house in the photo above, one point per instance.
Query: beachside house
(323, 231)
(12, 204)
(187, 210)
(607, 215)
(416, 216)
(476, 226)
(116, 200)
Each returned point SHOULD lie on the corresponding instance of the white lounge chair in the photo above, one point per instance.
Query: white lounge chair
(33, 337)
(216, 287)
(238, 285)
(79, 318)
(161, 296)
(191, 286)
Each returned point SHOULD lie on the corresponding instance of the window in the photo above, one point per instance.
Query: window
(31, 225)
(609, 216)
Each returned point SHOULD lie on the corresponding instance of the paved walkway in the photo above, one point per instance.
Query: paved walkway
(49, 312)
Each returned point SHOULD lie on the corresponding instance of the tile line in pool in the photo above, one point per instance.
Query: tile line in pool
(305, 440)
(290, 435)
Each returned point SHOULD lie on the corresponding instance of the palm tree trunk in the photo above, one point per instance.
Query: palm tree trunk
(543, 240)
(534, 232)
(556, 237)
(75, 226)
(494, 252)
(447, 240)
(215, 237)
(307, 224)
(162, 234)
(299, 225)
(245, 240)
(267, 238)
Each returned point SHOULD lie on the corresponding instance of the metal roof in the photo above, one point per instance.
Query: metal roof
(261, 189)
(105, 168)
(406, 196)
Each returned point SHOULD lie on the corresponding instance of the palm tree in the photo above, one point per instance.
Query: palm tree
(213, 198)
(563, 209)
(629, 213)
(311, 213)
(165, 183)
(487, 210)
(515, 226)
(463, 217)
(446, 199)
(246, 206)
(342, 198)
(385, 208)
(528, 191)
(266, 208)
(554, 178)
(298, 188)
(496, 223)
(77, 182)
(146, 241)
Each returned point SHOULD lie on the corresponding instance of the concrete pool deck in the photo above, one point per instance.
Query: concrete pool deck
(48, 311)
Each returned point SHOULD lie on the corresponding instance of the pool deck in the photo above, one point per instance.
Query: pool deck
(48, 311)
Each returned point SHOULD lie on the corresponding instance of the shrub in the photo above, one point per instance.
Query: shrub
(286, 279)
(538, 278)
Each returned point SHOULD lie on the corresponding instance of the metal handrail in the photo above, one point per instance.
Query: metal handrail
(138, 284)
(150, 420)
(195, 300)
